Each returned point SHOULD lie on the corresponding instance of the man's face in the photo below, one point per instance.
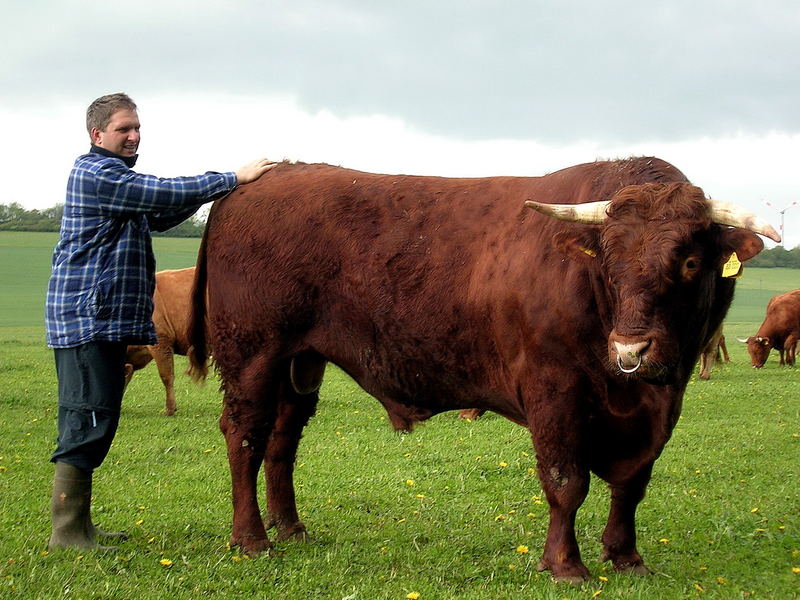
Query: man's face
(121, 135)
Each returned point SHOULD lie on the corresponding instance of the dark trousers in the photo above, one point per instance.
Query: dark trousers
(91, 380)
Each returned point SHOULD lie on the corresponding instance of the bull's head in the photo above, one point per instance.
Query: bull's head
(660, 249)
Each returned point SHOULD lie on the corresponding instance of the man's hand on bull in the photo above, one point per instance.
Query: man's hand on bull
(254, 170)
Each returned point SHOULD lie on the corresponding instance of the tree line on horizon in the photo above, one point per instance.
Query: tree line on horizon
(14, 217)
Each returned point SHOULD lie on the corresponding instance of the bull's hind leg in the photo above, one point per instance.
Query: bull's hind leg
(294, 411)
(247, 420)
(619, 537)
(297, 401)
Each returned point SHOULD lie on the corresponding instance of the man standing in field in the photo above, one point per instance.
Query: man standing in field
(99, 298)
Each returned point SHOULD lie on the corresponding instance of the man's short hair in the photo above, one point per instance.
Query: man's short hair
(99, 112)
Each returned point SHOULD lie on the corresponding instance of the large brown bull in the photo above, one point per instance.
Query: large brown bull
(171, 308)
(437, 294)
(780, 330)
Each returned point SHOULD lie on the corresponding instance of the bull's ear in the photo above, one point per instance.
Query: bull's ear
(745, 243)
(580, 245)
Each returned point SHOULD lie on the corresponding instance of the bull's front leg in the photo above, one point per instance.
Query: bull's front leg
(619, 537)
(244, 428)
(293, 414)
(565, 488)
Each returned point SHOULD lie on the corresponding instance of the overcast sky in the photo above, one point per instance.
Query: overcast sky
(503, 87)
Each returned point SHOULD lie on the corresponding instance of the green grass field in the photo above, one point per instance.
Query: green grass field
(445, 512)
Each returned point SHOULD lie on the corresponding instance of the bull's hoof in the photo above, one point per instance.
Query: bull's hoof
(299, 535)
(630, 562)
(169, 413)
(295, 531)
(573, 575)
(252, 546)
(632, 569)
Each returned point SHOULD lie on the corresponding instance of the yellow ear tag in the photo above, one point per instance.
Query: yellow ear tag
(732, 268)
(589, 252)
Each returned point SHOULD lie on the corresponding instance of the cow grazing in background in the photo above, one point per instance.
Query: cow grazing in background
(711, 354)
(170, 317)
(780, 330)
(439, 294)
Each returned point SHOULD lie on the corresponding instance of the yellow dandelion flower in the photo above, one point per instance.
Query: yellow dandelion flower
(420, 496)
(699, 587)
(409, 482)
(139, 522)
(512, 567)
(503, 464)
(754, 510)
(500, 518)
(721, 580)
(603, 579)
(236, 558)
(796, 570)
(165, 562)
(663, 541)
(413, 596)
(522, 549)
(597, 593)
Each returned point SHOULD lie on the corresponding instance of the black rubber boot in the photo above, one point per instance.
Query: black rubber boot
(70, 506)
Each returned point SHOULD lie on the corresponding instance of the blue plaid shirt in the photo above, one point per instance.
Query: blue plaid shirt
(101, 287)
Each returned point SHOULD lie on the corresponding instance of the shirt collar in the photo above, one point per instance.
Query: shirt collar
(128, 160)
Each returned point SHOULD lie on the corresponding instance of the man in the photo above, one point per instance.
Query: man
(99, 298)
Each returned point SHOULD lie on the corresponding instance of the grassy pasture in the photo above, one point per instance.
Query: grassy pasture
(445, 512)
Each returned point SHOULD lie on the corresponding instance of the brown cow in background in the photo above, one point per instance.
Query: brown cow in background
(170, 317)
(780, 330)
(439, 294)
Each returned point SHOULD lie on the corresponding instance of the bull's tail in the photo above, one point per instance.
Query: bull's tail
(196, 333)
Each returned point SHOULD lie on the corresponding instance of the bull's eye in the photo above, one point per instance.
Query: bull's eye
(690, 268)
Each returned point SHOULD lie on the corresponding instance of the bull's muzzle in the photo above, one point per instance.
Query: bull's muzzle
(629, 356)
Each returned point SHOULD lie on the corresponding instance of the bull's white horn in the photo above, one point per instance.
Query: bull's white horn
(741, 340)
(590, 213)
(726, 213)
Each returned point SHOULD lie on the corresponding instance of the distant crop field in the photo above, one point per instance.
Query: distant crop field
(451, 511)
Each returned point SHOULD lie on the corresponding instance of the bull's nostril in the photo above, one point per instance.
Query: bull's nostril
(631, 351)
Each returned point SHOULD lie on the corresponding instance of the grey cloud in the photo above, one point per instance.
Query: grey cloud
(554, 71)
